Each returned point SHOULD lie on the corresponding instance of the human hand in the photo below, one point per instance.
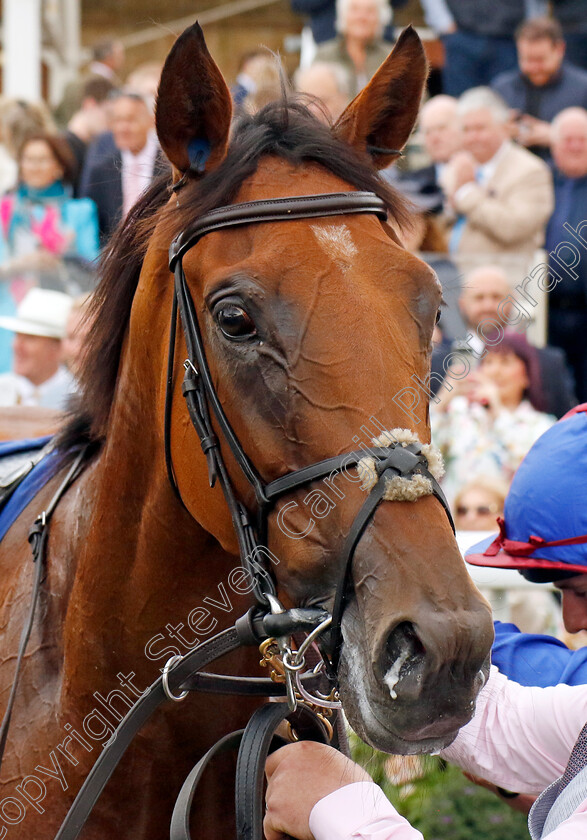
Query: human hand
(513, 123)
(449, 390)
(521, 802)
(485, 392)
(298, 776)
(460, 170)
(448, 30)
(533, 132)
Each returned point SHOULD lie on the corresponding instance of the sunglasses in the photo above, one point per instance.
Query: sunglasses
(480, 510)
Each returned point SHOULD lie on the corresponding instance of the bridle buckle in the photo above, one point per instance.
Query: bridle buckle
(402, 460)
(189, 367)
(271, 658)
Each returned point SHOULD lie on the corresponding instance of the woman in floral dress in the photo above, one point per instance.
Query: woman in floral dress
(491, 418)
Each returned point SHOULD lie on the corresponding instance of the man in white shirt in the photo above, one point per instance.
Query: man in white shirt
(38, 378)
(135, 138)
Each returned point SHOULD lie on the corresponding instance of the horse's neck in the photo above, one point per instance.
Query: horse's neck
(145, 562)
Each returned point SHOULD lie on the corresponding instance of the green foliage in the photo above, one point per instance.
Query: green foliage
(442, 803)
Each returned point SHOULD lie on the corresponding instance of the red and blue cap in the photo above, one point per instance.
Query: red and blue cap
(543, 533)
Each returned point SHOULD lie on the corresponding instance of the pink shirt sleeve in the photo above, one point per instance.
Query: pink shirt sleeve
(359, 811)
(521, 736)
(574, 828)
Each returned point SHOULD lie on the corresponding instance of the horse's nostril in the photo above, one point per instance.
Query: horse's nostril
(403, 651)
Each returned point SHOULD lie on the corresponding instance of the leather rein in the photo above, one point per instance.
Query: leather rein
(267, 624)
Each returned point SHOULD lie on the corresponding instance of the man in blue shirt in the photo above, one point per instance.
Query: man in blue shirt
(544, 536)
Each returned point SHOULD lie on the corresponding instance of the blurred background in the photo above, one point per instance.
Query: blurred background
(147, 29)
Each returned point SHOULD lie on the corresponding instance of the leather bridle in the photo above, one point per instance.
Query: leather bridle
(201, 396)
(267, 622)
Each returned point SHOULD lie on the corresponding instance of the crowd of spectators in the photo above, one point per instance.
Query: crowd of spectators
(502, 173)
(67, 178)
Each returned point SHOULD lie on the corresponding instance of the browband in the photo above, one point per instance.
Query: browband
(276, 210)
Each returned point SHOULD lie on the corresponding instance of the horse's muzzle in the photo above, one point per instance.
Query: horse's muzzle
(414, 692)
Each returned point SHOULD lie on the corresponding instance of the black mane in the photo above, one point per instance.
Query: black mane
(286, 129)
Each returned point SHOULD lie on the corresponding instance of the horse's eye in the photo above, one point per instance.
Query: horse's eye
(234, 321)
(438, 314)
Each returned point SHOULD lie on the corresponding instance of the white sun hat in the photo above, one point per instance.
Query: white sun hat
(41, 312)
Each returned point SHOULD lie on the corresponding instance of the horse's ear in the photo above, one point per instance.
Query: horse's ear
(194, 106)
(379, 120)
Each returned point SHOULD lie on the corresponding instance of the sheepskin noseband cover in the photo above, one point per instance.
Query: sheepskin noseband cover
(400, 488)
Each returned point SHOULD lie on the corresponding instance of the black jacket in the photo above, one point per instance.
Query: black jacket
(497, 18)
(104, 186)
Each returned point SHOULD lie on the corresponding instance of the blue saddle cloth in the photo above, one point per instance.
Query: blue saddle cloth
(29, 486)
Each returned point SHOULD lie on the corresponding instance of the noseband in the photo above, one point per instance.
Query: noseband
(201, 396)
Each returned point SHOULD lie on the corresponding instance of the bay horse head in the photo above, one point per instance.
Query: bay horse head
(312, 329)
